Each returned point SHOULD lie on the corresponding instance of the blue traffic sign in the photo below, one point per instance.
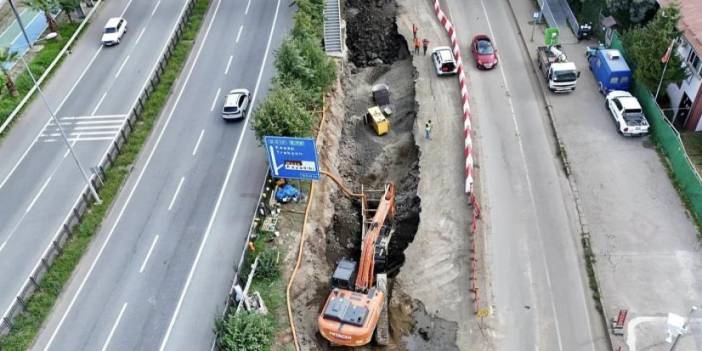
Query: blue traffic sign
(292, 158)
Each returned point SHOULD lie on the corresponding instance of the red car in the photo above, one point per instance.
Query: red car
(484, 52)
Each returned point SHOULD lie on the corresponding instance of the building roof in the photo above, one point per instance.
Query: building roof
(690, 21)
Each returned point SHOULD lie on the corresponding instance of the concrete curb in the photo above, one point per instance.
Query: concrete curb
(563, 156)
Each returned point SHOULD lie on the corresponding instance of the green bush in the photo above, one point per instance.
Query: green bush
(282, 113)
(304, 74)
(245, 331)
(268, 264)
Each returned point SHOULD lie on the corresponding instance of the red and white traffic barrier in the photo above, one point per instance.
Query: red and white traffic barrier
(467, 129)
(467, 152)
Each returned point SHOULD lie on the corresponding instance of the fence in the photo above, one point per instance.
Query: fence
(684, 172)
(570, 17)
(82, 204)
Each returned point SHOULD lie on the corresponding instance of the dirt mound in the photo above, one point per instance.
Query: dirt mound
(372, 36)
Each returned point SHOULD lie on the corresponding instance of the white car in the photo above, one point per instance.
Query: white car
(444, 62)
(627, 113)
(115, 28)
(236, 104)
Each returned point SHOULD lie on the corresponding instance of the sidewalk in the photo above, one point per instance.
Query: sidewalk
(648, 256)
(11, 35)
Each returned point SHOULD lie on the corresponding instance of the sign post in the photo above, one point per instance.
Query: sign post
(292, 158)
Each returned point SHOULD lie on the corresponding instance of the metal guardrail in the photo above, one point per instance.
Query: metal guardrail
(570, 17)
(81, 205)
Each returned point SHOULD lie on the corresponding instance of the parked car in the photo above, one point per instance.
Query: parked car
(236, 104)
(444, 62)
(627, 113)
(484, 52)
(115, 28)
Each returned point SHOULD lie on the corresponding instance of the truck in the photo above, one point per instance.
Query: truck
(560, 74)
(610, 69)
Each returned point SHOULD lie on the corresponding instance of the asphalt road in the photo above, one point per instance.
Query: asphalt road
(91, 93)
(158, 273)
(538, 284)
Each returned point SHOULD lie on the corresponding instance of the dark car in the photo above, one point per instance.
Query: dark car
(484, 52)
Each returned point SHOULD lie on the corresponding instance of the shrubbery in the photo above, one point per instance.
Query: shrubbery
(245, 331)
(304, 74)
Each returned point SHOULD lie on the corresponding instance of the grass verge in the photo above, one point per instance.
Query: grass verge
(26, 325)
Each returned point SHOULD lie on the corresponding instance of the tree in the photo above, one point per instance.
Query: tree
(7, 56)
(645, 46)
(244, 331)
(45, 6)
(282, 114)
(69, 6)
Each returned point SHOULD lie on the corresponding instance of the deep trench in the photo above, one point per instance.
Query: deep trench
(378, 53)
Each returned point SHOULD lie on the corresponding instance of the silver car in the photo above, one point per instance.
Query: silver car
(236, 104)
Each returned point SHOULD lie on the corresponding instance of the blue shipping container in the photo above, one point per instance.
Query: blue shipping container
(610, 70)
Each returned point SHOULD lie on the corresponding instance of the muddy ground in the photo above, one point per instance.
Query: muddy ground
(377, 53)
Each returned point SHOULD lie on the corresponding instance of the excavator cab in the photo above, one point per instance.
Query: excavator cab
(344, 274)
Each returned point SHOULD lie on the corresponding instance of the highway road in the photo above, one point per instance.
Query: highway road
(159, 271)
(538, 283)
(92, 93)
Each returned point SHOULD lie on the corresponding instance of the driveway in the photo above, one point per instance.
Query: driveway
(647, 250)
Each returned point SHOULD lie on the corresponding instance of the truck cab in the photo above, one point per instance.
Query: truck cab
(560, 74)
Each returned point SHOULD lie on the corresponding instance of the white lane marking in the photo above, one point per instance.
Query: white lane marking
(138, 180)
(73, 143)
(122, 66)
(98, 104)
(83, 133)
(85, 70)
(229, 63)
(155, 7)
(247, 7)
(29, 23)
(148, 254)
(139, 36)
(222, 190)
(114, 127)
(9, 27)
(175, 195)
(38, 194)
(533, 201)
(214, 101)
(114, 327)
(93, 117)
(110, 138)
(238, 35)
(86, 123)
(125, 8)
(3, 245)
(197, 144)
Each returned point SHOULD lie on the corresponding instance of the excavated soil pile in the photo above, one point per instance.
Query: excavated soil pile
(371, 33)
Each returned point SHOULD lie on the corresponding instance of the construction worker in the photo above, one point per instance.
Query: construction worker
(416, 45)
(427, 130)
(425, 45)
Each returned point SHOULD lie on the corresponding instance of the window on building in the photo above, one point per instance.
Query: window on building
(694, 61)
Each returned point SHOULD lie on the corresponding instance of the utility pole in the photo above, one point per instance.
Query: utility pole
(14, 10)
(93, 191)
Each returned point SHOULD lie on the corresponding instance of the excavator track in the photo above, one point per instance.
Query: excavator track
(382, 329)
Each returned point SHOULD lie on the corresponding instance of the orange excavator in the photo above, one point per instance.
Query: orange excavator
(355, 306)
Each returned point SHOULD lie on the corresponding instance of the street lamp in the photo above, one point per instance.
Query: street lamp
(51, 111)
